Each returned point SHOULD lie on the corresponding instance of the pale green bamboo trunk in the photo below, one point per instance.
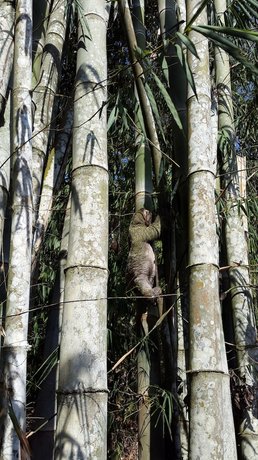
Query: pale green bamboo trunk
(211, 421)
(169, 17)
(82, 395)
(18, 295)
(43, 99)
(143, 167)
(147, 114)
(237, 260)
(143, 190)
(41, 12)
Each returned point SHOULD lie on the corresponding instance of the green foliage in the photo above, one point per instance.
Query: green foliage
(161, 402)
(233, 32)
(49, 256)
(38, 328)
(218, 36)
(155, 109)
(252, 215)
(42, 372)
(123, 410)
(246, 115)
(242, 13)
(184, 63)
(163, 91)
(121, 335)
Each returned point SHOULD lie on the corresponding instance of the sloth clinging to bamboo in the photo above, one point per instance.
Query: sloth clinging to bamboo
(141, 268)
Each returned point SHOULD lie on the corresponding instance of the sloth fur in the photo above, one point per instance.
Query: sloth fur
(141, 259)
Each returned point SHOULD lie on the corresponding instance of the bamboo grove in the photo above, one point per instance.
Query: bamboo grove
(107, 107)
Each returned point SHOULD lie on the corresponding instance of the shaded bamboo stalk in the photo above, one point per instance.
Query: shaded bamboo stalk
(143, 98)
(237, 260)
(176, 247)
(143, 189)
(7, 19)
(44, 95)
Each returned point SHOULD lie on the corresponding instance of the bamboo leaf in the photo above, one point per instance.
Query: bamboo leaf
(83, 21)
(188, 43)
(140, 118)
(246, 6)
(113, 114)
(248, 11)
(140, 53)
(184, 64)
(232, 31)
(227, 46)
(124, 118)
(237, 17)
(154, 108)
(168, 100)
(253, 2)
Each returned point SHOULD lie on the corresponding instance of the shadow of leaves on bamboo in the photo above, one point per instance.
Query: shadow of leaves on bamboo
(44, 89)
(23, 190)
(245, 391)
(90, 90)
(12, 435)
(76, 200)
(246, 320)
(28, 36)
(82, 412)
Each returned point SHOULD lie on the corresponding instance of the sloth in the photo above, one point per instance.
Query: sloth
(141, 259)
